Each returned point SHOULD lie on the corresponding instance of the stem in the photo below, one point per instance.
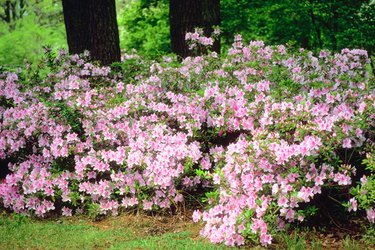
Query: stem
(333, 199)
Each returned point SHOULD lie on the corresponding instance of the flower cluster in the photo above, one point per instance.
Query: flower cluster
(262, 130)
(197, 39)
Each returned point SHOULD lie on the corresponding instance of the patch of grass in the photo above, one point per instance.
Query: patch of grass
(369, 236)
(19, 232)
(144, 232)
(57, 235)
(182, 240)
(310, 238)
(349, 244)
(316, 245)
(294, 241)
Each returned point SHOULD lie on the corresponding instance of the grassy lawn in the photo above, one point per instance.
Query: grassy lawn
(139, 232)
(123, 232)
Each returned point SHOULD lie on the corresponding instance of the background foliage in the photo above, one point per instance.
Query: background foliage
(144, 25)
(23, 37)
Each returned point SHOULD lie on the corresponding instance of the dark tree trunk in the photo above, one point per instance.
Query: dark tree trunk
(92, 25)
(76, 18)
(185, 15)
(103, 30)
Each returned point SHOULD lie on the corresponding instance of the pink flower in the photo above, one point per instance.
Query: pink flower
(305, 194)
(66, 211)
(342, 179)
(323, 54)
(197, 215)
(362, 107)
(282, 202)
(347, 143)
(265, 239)
(205, 163)
(363, 180)
(371, 215)
(147, 205)
(352, 205)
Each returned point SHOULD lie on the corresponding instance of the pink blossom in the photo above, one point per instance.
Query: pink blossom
(66, 211)
(347, 143)
(371, 215)
(352, 205)
(197, 215)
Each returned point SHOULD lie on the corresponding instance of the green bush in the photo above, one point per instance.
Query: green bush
(145, 27)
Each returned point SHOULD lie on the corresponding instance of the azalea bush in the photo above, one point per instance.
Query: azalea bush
(261, 131)
(364, 192)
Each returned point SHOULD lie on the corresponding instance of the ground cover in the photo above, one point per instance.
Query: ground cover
(123, 232)
(130, 231)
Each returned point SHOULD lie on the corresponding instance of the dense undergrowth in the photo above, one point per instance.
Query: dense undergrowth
(253, 136)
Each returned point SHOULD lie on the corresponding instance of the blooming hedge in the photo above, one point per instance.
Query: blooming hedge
(261, 130)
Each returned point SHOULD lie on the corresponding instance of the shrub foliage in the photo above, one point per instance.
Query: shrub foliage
(260, 131)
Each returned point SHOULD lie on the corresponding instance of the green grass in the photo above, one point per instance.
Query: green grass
(302, 239)
(57, 235)
(176, 241)
(17, 232)
(142, 232)
(294, 241)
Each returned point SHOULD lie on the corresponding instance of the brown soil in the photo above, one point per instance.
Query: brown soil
(146, 225)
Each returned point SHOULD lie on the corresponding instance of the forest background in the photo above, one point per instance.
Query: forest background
(144, 25)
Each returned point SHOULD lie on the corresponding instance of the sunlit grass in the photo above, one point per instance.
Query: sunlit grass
(17, 232)
(140, 232)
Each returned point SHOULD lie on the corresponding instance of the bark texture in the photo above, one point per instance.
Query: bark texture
(76, 17)
(185, 15)
(103, 30)
(92, 25)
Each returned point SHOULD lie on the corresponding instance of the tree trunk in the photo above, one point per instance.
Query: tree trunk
(92, 25)
(76, 18)
(185, 15)
(104, 37)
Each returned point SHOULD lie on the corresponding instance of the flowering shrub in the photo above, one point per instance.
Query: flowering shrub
(364, 192)
(198, 42)
(261, 131)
